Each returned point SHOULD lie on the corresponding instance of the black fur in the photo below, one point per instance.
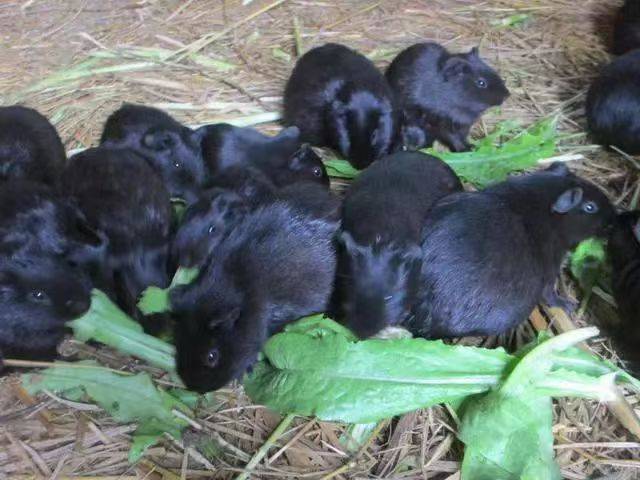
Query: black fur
(30, 147)
(37, 296)
(489, 257)
(34, 220)
(311, 199)
(383, 215)
(273, 268)
(613, 103)
(413, 134)
(219, 210)
(205, 223)
(626, 31)
(172, 149)
(446, 92)
(282, 158)
(122, 196)
(248, 182)
(624, 253)
(339, 99)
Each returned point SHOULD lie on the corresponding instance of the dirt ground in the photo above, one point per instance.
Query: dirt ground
(207, 60)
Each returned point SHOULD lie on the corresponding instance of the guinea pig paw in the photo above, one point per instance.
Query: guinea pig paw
(555, 300)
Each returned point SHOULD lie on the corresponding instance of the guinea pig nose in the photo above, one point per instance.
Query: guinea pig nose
(77, 306)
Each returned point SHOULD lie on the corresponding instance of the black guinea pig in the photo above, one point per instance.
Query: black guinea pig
(613, 103)
(339, 99)
(30, 147)
(218, 210)
(38, 295)
(624, 254)
(172, 149)
(412, 134)
(205, 223)
(451, 91)
(276, 266)
(283, 158)
(122, 196)
(379, 254)
(34, 220)
(626, 31)
(490, 256)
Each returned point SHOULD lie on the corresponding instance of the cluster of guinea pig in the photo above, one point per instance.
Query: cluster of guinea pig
(405, 246)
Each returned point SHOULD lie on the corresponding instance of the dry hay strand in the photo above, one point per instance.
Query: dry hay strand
(206, 61)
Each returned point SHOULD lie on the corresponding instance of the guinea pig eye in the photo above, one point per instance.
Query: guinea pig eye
(481, 83)
(317, 172)
(39, 295)
(211, 358)
(211, 229)
(589, 207)
(177, 164)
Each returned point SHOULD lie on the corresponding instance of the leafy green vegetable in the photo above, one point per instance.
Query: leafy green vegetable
(340, 168)
(508, 437)
(316, 367)
(491, 161)
(507, 432)
(128, 398)
(318, 370)
(156, 300)
(492, 158)
(178, 207)
(588, 263)
(104, 322)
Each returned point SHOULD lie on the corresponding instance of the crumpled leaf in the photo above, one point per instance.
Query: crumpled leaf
(506, 436)
(588, 263)
(507, 432)
(127, 398)
(104, 322)
(156, 299)
(338, 168)
(492, 158)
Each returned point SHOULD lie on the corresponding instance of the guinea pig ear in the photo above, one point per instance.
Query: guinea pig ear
(199, 133)
(295, 161)
(568, 200)
(158, 140)
(455, 67)
(558, 168)
(228, 319)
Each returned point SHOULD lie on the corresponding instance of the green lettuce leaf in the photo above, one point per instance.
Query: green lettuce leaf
(324, 372)
(127, 398)
(156, 300)
(588, 263)
(104, 322)
(492, 159)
